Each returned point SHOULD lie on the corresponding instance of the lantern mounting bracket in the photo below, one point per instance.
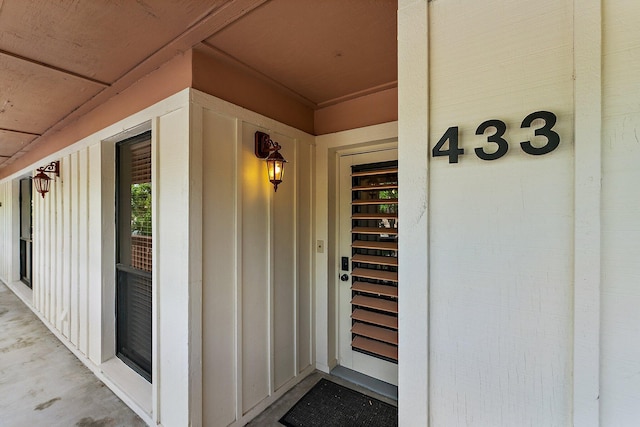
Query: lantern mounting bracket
(53, 167)
(265, 145)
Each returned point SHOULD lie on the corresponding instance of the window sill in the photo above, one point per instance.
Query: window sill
(134, 390)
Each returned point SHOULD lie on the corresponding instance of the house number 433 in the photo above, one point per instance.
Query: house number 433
(497, 129)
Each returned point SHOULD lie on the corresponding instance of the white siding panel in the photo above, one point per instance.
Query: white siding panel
(413, 171)
(43, 266)
(65, 166)
(94, 252)
(172, 266)
(5, 230)
(283, 248)
(83, 258)
(58, 251)
(256, 274)
(257, 313)
(37, 253)
(61, 254)
(51, 256)
(74, 308)
(501, 240)
(45, 258)
(620, 328)
(219, 269)
(304, 252)
(587, 49)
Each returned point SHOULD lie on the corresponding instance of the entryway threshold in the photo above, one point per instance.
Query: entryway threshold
(380, 387)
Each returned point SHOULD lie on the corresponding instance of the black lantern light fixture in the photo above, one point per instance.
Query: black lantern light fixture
(42, 181)
(267, 149)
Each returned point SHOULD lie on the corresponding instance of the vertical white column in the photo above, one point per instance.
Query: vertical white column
(587, 264)
(171, 266)
(196, 188)
(413, 154)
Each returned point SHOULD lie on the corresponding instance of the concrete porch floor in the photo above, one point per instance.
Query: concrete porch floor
(43, 384)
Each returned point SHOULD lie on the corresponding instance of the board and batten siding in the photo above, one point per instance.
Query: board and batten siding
(257, 270)
(501, 232)
(63, 288)
(74, 258)
(233, 277)
(527, 267)
(620, 291)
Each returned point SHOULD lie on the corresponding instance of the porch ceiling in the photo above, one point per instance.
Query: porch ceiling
(59, 60)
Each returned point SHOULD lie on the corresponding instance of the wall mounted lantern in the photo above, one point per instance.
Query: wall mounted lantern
(42, 181)
(267, 149)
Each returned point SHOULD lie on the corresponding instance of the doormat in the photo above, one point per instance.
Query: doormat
(329, 404)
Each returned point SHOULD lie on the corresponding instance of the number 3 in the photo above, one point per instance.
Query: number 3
(496, 138)
(553, 139)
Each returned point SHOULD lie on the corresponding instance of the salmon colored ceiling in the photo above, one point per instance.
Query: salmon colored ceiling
(325, 51)
(60, 59)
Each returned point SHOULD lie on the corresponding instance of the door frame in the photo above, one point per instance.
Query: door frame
(327, 333)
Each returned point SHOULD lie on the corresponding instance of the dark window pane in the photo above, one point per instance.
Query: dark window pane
(134, 254)
(26, 230)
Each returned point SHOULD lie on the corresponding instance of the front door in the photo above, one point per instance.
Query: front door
(368, 264)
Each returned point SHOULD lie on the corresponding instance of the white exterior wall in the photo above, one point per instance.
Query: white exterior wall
(232, 266)
(257, 272)
(74, 257)
(525, 267)
(500, 232)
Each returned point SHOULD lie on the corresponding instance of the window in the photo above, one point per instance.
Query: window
(26, 231)
(133, 253)
(374, 221)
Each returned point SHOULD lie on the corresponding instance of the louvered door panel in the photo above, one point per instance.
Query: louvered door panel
(374, 260)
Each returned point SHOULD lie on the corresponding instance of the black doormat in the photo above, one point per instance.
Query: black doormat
(328, 404)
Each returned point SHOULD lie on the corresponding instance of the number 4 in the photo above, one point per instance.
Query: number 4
(453, 152)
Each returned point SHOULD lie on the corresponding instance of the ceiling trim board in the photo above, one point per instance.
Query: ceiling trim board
(53, 67)
(359, 94)
(210, 24)
(20, 132)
